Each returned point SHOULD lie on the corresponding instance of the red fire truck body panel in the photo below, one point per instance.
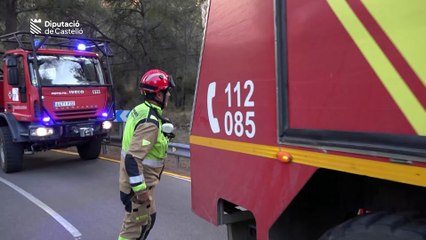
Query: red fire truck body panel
(269, 186)
(305, 87)
(238, 62)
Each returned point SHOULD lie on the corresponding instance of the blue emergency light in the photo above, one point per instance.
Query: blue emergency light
(46, 119)
(81, 47)
(37, 43)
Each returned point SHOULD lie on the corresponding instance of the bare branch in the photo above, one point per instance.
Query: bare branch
(93, 26)
(34, 9)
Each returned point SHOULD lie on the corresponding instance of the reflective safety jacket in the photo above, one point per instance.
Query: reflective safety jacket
(144, 148)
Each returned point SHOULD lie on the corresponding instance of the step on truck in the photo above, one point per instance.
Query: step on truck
(56, 92)
(309, 120)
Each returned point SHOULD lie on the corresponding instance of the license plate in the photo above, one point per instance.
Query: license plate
(86, 132)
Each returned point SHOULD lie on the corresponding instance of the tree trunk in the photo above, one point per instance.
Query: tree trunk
(11, 16)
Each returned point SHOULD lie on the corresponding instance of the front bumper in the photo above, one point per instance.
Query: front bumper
(66, 131)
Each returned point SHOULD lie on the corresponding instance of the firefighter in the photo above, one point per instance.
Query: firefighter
(144, 148)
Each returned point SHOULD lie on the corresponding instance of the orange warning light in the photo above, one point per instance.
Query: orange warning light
(284, 157)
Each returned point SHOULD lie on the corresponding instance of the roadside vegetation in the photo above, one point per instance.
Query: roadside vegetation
(144, 34)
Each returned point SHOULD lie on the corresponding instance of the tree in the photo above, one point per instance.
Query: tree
(8, 9)
(144, 34)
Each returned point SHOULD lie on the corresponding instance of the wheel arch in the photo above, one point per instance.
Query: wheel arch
(331, 197)
(240, 222)
(7, 119)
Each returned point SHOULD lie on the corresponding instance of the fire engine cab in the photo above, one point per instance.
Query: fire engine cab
(56, 91)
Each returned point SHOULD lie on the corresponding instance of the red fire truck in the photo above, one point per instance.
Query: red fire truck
(309, 120)
(56, 92)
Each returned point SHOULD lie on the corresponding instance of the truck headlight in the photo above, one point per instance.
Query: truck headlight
(106, 125)
(41, 131)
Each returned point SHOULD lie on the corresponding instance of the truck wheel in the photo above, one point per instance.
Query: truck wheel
(380, 226)
(11, 154)
(91, 149)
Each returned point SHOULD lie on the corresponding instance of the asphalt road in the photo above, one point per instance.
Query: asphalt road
(59, 196)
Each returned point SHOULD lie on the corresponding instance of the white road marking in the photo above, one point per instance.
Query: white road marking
(68, 226)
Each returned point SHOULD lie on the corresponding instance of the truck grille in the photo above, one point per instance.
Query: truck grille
(75, 113)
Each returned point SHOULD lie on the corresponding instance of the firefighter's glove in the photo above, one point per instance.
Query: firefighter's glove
(143, 197)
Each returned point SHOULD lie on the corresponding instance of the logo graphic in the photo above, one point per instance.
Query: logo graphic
(37, 26)
(34, 26)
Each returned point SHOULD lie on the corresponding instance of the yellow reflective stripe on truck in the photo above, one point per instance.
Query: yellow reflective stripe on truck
(391, 79)
(383, 170)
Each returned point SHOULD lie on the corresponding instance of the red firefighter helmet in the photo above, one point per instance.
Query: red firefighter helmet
(155, 81)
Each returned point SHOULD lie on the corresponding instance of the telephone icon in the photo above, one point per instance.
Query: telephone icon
(211, 93)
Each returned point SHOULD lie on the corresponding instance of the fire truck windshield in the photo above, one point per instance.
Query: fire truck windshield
(67, 70)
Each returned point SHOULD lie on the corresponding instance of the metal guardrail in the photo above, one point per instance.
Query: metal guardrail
(175, 149)
(179, 149)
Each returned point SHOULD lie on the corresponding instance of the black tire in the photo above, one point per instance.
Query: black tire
(90, 150)
(11, 154)
(381, 226)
